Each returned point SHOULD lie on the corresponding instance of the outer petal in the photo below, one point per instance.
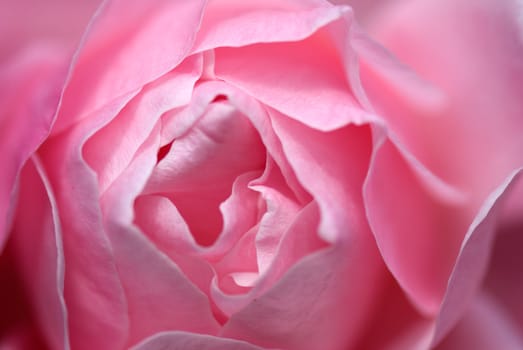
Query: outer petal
(470, 139)
(304, 80)
(485, 326)
(479, 121)
(31, 85)
(473, 261)
(233, 23)
(93, 293)
(58, 22)
(18, 329)
(183, 341)
(142, 39)
(37, 247)
(417, 232)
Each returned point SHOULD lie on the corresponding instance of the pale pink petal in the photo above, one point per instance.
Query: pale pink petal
(159, 296)
(298, 241)
(228, 295)
(93, 292)
(280, 210)
(474, 140)
(201, 166)
(163, 225)
(395, 323)
(469, 137)
(283, 235)
(418, 234)
(31, 85)
(253, 110)
(37, 247)
(111, 149)
(54, 22)
(322, 302)
(331, 166)
(234, 23)
(182, 341)
(141, 38)
(294, 79)
(158, 218)
(240, 212)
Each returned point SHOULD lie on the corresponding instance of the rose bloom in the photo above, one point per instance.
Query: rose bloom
(262, 174)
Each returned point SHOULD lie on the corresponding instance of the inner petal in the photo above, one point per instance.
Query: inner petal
(198, 171)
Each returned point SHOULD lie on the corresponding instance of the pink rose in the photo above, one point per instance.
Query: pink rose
(276, 174)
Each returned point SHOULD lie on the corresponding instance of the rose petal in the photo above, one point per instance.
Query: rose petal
(484, 327)
(140, 38)
(281, 208)
(38, 249)
(35, 80)
(472, 262)
(302, 311)
(129, 129)
(418, 234)
(56, 22)
(199, 171)
(396, 324)
(294, 79)
(184, 340)
(256, 113)
(141, 265)
(475, 124)
(93, 292)
(334, 179)
(482, 122)
(504, 280)
(298, 241)
(234, 23)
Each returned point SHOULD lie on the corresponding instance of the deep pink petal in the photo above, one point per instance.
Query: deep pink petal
(38, 250)
(485, 326)
(183, 340)
(18, 327)
(472, 263)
